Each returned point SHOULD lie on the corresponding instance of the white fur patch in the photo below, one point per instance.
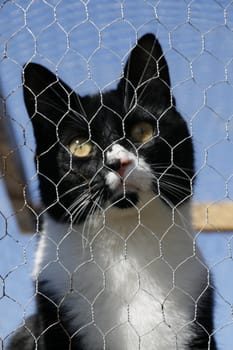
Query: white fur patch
(134, 286)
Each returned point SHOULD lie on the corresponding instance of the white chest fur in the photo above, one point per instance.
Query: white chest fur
(133, 285)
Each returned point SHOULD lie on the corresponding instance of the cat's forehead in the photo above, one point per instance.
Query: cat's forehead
(102, 113)
(109, 109)
(102, 105)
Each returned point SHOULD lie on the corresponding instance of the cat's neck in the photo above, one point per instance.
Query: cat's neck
(123, 267)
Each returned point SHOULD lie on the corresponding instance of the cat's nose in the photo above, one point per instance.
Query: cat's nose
(119, 165)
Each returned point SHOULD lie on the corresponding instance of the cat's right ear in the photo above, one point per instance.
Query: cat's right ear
(47, 99)
(146, 75)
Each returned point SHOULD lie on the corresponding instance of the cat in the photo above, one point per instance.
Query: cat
(116, 266)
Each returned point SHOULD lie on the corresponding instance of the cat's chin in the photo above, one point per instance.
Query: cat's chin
(127, 200)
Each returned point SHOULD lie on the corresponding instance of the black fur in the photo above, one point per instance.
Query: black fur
(58, 115)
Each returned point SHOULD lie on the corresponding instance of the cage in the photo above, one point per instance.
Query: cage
(86, 43)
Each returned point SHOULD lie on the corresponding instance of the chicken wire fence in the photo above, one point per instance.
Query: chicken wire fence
(86, 43)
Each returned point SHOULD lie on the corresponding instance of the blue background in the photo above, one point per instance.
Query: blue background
(87, 43)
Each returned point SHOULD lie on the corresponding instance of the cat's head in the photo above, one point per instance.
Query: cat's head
(109, 149)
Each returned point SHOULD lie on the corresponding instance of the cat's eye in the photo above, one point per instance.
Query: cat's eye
(81, 147)
(142, 132)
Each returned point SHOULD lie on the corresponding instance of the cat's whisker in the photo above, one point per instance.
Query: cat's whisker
(171, 183)
(174, 188)
(69, 212)
(169, 165)
(80, 209)
(79, 104)
(59, 95)
(60, 98)
(88, 222)
(85, 224)
(90, 218)
(81, 204)
(169, 177)
(75, 188)
(73, 115)
(172, 176)
(53, 105)
(78, 119)
(78, 202)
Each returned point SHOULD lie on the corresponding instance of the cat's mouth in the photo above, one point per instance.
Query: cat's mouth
(125, 195)
(128, 181)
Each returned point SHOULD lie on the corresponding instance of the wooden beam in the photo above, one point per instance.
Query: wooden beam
(213, 216)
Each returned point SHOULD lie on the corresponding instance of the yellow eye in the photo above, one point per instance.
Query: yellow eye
(81, 147)
(142, 132)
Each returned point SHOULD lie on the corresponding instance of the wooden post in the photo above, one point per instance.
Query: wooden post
(11, 172)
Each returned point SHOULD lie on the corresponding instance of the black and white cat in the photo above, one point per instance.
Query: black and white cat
(116, 266)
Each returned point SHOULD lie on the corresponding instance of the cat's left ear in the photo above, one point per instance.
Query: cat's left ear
(45, 93)
(48, 101)
(146, 73)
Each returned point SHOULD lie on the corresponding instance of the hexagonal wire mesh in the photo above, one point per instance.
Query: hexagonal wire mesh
(87, 44)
